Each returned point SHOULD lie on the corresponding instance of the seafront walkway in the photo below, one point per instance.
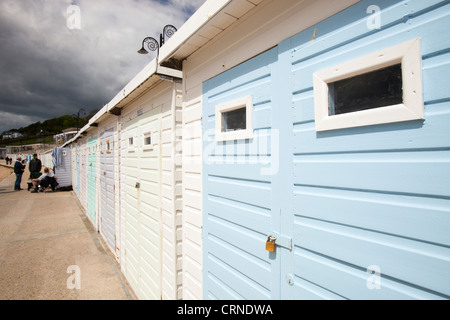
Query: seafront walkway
(50, 251)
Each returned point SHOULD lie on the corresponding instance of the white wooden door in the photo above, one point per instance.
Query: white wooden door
(143, 222)
(107, 215)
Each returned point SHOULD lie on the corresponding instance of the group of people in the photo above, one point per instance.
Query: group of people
(48, 179)
(8, 160)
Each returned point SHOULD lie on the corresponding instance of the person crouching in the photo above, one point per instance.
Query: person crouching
(45, 180)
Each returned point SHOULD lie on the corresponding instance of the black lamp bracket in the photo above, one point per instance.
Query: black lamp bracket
(153, 45)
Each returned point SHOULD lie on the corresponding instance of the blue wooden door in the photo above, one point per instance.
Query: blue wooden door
(362, 213)
(239, 198)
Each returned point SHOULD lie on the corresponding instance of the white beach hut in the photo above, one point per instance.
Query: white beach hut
(133, 142)
(61, 164)
(150, 174)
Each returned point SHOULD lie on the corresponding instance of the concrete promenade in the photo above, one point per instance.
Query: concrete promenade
(48, 248)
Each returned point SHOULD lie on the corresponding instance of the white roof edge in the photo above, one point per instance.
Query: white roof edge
(85, 128)
(207, 11)
(146, 73)
(98, 115)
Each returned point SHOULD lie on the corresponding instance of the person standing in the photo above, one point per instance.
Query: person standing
(19, 168)
(35, 167)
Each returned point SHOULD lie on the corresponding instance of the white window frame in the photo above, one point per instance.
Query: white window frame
(408, 54)
(246, 102)
(144, 136)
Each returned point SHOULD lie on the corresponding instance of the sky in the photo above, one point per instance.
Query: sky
(60, 56)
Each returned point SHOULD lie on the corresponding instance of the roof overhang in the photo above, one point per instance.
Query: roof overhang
(212, 18)
(150, 76)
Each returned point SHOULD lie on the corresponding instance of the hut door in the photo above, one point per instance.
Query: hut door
(107, 188)
(78, 170)
(92, 178)
(241, 183)
(143, 219)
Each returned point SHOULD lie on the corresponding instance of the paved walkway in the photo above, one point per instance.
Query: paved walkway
(47, 245)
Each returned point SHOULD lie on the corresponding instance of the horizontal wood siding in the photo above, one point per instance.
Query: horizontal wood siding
(354, 201)
(237, 198)
(83, 172)
(373, 195)
(238, 40)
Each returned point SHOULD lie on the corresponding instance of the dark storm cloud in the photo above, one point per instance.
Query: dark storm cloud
(49, 70)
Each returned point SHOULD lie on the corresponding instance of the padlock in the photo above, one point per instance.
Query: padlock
(270, 244)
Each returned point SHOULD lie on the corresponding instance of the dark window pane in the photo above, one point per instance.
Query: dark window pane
(380, 88)
(234, 120)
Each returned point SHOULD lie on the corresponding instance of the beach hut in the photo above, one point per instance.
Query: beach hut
(132, 175)
(108, 154)
(74, 166)
(91, 206)
(150, 173)
(61, 164)
(315, 149)
(78, 172)
(85, 148)
(83, 152)
(46, 159)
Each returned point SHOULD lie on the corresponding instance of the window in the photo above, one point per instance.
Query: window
(148, 141)
(234, 120)
(376, 89)
(108, 146)
(131, 146)
(383, 87)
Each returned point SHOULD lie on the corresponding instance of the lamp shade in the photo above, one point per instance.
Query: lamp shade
(143, 51)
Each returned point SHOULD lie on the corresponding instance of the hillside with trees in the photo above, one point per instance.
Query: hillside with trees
(42, 132)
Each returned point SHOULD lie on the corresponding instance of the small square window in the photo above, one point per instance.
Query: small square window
(383, 87)
(131, 146)
(148, 141)
(234, 120)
